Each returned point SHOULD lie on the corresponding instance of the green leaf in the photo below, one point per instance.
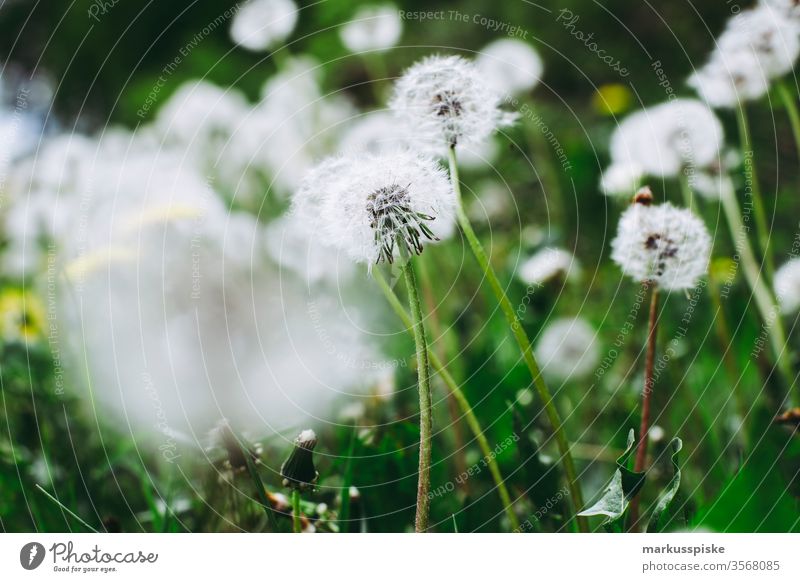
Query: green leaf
(624, 486)
(668, 504)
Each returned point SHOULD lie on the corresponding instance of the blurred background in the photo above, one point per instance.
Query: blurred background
(153, 284)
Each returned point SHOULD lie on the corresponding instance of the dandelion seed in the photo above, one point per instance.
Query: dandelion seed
(567, 349)
(664, 139)
(261, 24)
(447, 101)
(373, 28)
(787, 286)
(662, 244)
(510, 66)
(548, 264)
(368, 204)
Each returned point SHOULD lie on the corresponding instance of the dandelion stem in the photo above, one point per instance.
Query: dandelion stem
(461, 399)
(523, 342)
(686, 190)
(753, 188)
(644, 427)
(297, 525)
(791, 110)
(762, 296)
(425, 402)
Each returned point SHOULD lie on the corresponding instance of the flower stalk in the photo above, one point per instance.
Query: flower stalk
(522, 341)
(461, 399)
(425, 401)
(647, 392)
(751, 180)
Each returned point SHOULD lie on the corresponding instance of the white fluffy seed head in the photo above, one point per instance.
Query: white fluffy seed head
(373, 28)
(621, 179)
(567, 349)
(510, 66)
(757, 46)
(662, 244)
(261, 24)
(664, 139)
(447, 101)
(548, 264)
(367, 204)
(789, 9)
(787, 286)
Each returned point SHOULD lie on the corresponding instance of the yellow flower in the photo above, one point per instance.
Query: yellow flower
(22, 317)
(612, 99)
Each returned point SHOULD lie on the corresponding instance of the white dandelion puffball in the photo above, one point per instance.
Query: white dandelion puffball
(664, 139)
(787, 286)
(756, 46)
(787, 8)
(447, 101)
(621, 179)
(567, 349)
(666, 245)
(510, 66)
(261, 24)
(548, 264)
(368, 204)
(373, 28)
(375, 131)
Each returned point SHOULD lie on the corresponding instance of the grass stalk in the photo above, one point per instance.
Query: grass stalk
(524, 345)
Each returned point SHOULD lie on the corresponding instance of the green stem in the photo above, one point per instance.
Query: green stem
(759, 213)
(296, 521)
(686, 190)
(523, 342)
(65, 508)
(461, 399)
(791, 110)
(425, 402)
(762, 296)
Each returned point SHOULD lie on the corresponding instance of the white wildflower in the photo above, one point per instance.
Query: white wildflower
(548, 264)
(783, 8)
(567, 349)
(757, 45)
(666, 245)
(368, 204)
(621, 179)
(373, 28)
(374, 132)
(787, 286)
(447, 101)
(510, 66)
(261, 24)
(664, 139)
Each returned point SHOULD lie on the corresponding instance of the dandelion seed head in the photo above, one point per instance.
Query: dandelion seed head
(367, 204)
(664, 139)
(787, 286)
(446, 101)
(786, 8)
(621, 179)
(373, 28)
(663, 244)
(548, 264)
(757, 45)
(510, 66)
(261, 24)
(567, 349)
